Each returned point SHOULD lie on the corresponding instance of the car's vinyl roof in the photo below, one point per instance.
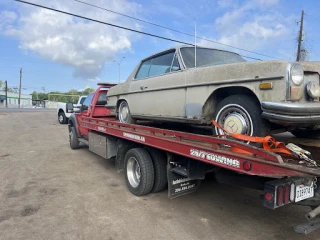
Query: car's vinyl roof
(183, 46)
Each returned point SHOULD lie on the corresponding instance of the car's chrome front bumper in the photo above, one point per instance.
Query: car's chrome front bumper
(288, 114)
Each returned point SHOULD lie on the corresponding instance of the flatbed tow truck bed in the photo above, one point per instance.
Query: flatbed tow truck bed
(154, 157)
(204, 148)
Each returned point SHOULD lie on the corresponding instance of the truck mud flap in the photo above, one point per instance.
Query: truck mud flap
(179, 184)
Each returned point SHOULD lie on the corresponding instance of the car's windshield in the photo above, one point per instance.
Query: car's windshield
(208, 57)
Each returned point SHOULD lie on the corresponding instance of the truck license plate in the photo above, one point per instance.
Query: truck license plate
(303, 192)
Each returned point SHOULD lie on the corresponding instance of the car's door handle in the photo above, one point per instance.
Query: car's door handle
(143, 87)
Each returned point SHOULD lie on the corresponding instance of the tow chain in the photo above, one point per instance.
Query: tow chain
(302, 154)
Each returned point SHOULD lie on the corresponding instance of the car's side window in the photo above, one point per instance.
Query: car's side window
(175, 63)
(144, 70)
(161, 64)
(158, 65)
(87, 102)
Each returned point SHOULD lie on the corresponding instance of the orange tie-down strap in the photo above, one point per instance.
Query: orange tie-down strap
(268, 142)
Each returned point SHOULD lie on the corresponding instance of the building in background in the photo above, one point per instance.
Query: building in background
(13, 99)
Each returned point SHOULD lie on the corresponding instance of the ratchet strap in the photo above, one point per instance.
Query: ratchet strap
(268, 142)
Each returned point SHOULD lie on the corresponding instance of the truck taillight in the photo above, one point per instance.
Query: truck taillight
(280, 195)
(268, 196)
(286, 193)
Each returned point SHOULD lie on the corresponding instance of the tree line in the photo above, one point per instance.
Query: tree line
(69, 96)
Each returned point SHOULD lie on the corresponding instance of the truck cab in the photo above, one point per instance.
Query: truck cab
(93, 106)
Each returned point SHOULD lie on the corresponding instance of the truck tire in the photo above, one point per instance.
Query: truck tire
(124, 114)
(62, 118)
(139, 171)
(73, 140)
(240, 114)
(306, 133)
(160, 169)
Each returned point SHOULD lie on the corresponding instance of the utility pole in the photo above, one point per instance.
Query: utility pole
(6, 89)
(119, 67)
(20, 87)
(300, 37)
(195, 43)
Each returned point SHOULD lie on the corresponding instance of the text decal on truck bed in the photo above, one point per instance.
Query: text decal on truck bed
(215, 158)
(135, 137)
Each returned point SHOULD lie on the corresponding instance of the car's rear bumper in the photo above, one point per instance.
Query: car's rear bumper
(301, 114)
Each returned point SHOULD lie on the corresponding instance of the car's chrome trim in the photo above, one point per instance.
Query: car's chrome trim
(296, 109)
(204, 84)
(288, 120)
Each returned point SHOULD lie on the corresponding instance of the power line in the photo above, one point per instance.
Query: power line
(312, 16)
(177, 31)
(105, 23)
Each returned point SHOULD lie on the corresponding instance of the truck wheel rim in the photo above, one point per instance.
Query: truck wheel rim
(60, 118)
(70, 136)
(133, 172)
(235, 119)
(123, 112)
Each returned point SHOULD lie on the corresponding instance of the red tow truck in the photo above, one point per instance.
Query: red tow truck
(155, 156)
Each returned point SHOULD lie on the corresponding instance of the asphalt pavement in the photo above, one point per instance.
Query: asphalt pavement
(49, 191)
(27, 109)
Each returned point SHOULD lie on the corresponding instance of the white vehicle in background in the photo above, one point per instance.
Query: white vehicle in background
(63, 115)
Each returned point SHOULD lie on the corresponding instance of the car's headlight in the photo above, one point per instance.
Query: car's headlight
(296, 74)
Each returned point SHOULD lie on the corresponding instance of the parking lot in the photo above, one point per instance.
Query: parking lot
(49, 191)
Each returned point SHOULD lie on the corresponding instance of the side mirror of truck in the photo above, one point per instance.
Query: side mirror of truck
(69, 107)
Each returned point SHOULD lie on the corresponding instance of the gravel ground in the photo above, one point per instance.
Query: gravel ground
(49, 191)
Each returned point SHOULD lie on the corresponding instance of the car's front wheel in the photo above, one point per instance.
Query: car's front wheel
(240, 114)
(306, 133)
(124, 114)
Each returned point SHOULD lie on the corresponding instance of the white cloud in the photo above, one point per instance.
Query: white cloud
(81, 44)
(7, 18)
(265, 3)
(252, 26)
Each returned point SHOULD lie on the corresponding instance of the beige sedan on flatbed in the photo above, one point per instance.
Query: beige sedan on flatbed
(244, 97)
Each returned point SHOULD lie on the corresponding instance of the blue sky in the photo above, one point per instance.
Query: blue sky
(60, 52)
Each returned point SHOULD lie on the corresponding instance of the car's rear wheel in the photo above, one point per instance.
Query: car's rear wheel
(124, 114)
(240, 114)
(306, 133)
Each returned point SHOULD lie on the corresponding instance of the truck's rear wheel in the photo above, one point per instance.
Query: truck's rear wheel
(160, 169)
(73, 140)
(139, 171)
(62, 118)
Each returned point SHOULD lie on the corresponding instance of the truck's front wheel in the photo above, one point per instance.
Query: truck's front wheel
(139, 171)
(73, 140)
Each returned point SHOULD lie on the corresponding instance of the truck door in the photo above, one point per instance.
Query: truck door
(85, 110)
